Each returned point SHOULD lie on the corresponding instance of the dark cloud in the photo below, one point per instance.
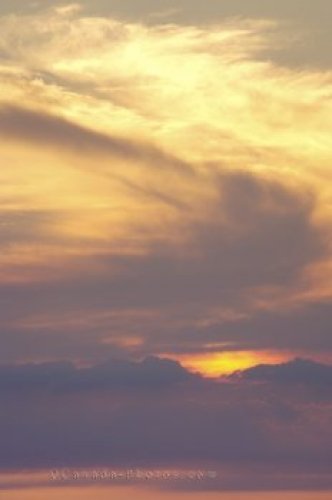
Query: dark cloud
(298, 371)
(24, 226)
(152, 373)
(49, 130)
(257, 233)
(19, 344)
(168, 418)
(304, 329)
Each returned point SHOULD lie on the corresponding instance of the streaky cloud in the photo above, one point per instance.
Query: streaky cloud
(45, 129)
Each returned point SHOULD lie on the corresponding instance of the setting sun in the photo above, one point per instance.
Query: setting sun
(218, 364)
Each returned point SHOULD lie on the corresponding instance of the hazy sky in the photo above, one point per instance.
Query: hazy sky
(123, 494)
(165, 216)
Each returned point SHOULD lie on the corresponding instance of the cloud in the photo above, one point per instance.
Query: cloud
(298, 371)
(23, 226)
(254, 233)
(234, 220)
(165, 189)
(304, 329)
(304, 24)
(62, 377)
(155, 412)
(47, 130)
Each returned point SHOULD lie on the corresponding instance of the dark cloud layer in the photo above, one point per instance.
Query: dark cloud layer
(149, 374)
(168, 417)
(152, 373)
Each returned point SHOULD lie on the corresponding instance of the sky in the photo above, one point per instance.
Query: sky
(166, 246)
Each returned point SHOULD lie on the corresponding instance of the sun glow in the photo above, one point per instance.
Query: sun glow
(224, 363)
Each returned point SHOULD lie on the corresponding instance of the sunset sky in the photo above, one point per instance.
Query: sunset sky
(166, 246)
